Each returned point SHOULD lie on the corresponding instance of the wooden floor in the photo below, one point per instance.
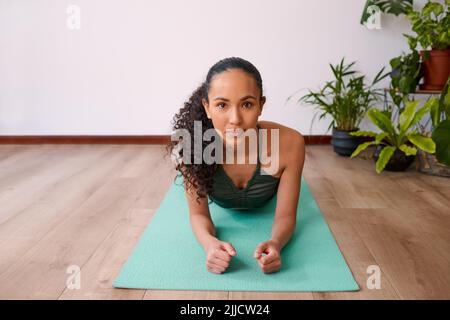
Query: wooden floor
(87, 205)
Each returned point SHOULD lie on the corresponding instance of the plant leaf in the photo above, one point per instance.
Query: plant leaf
(409, 151)
(363, 134)
(380, 76)
(444, 101)
(394, 6)
(441, 135)
(381, 136)
(361, 147)
(381, 121)
(431, 105)
(385, 156)
(407, 115)
(424, 143)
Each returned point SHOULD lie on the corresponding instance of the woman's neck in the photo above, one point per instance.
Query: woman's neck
(250, 156)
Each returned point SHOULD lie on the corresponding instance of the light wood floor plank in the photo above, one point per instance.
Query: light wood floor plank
(356, 254)
(41, 272)
(26, 227)
(42, 177)
(98, 273)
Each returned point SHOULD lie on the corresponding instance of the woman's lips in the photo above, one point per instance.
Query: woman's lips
(234, 132)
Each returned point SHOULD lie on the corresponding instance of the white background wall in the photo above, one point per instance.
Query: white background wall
(129, 68)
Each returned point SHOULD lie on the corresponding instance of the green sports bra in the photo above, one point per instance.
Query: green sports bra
(259, 189)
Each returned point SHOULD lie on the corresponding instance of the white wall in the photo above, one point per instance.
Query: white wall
(129, 68)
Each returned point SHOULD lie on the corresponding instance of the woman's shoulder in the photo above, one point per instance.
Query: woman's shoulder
(286, 134)
(288, 138)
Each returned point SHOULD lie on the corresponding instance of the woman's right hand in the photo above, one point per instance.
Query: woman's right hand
(218, 256)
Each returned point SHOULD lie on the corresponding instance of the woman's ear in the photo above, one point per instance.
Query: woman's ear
(263, 101)
(206, 107)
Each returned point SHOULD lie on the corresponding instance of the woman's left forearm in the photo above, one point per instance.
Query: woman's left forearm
(282, 230)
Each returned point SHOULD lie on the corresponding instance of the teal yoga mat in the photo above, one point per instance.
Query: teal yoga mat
(167, 255)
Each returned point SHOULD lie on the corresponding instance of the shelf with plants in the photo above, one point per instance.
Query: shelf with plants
(431, 25)
(403, 137)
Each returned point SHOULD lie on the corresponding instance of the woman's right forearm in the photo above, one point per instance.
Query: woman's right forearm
(203, 229)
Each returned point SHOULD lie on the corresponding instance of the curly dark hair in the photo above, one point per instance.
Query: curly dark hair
(200, 176)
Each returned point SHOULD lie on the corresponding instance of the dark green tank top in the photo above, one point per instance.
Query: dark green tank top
(260, 188)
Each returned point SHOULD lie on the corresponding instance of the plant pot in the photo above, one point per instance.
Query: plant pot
(428, 164)
(343, 143)
(436, 69)
(398, 162)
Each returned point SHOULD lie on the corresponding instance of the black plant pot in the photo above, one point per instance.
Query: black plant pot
(398, 162)
(343, 143)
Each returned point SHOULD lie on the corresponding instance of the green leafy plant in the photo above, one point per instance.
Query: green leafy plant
(431, 25)
(405, 76)
(403, 136)
(441, 110)
(395, 7)
(346, 98)
(441, 136)
(440, 116)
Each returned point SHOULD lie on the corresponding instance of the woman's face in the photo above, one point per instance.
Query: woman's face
(234, 103)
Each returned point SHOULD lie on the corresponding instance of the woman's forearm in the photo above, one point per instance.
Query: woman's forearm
(282, 230)
(203, 229)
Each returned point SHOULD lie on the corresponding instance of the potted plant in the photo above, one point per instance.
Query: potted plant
(396, 144)
(346, 99)
(432, 25)
(439, 163)
(395, 7)
(406, 74)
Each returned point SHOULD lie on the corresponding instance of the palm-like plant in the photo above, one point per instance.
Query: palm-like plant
(404, 136)
(346, 98)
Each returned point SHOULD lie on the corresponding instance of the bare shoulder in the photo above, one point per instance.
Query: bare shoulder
(287, 135)
(289, 139)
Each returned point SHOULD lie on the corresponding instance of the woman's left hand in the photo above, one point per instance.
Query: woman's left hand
(271, 262)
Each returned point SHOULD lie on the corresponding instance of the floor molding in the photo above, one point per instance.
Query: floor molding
(150, 139)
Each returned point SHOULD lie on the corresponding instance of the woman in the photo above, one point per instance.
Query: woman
(231, 98)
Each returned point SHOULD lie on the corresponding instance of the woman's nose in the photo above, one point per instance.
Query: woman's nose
(235, 116)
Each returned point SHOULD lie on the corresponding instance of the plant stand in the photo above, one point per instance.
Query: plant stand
(428, 164)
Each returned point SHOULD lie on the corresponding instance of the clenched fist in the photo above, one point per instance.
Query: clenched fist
(218, 256)
(271, 262)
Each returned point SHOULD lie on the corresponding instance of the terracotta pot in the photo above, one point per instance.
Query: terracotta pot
(436, 69)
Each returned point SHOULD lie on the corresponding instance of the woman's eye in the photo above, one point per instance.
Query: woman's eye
(247, 105)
